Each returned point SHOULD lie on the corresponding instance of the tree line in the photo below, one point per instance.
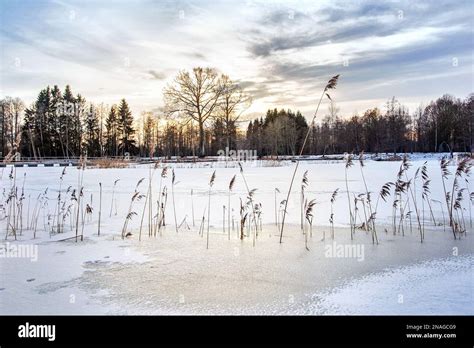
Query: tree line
(446, 124)
(61, 124)
(202, 115)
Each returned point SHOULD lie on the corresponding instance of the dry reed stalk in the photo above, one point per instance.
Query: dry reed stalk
(332, 83)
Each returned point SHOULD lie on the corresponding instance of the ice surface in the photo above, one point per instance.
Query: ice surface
(175, 273)
(183, 277)
(442, 287)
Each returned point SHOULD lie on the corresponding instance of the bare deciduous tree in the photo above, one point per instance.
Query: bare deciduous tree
(233, 103)
(11, 110)
(194, 96)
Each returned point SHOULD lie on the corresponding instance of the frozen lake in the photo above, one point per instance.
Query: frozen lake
(174, 273)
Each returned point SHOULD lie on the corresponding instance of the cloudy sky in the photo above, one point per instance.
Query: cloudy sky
(282, 52)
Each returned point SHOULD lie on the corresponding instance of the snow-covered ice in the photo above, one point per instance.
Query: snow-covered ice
(440, 286)
(176, 274)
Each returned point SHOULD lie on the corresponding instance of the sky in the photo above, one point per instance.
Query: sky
(281, 52)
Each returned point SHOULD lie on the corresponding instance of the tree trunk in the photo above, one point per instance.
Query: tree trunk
(202, 151)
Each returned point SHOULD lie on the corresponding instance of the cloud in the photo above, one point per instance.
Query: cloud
(157, 75)
(281, 52)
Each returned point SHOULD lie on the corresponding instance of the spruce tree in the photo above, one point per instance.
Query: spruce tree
(76, 126)
(111, 132)
(66, 117)
(91, 126)
(125, 129)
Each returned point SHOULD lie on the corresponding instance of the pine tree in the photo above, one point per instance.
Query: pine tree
(91, 125)
(3, 129)
(125, 129)
(28, 140)
(111, 132)
(76, 125)
(43, 122)
(218, 139)
(148, 131)
(55, 122)
(66, 116)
